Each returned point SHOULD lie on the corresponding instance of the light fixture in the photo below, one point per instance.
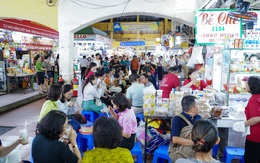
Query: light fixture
(158, 39)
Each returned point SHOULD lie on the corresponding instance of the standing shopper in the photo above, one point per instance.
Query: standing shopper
(135, 65)
(90, 70)
(48, 71)
(252, 147)
(83, 67)
(40, 73)
(160, 68)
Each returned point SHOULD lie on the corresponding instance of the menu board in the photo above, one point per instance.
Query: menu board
(214, 27)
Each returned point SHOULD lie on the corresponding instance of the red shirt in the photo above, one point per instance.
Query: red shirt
(253, 110)
(200, 87)
(169, 82)
(89, 74)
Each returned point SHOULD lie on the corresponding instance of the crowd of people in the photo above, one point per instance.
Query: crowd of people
(107, 86)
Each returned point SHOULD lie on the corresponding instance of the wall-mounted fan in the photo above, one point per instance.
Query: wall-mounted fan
(242, 13)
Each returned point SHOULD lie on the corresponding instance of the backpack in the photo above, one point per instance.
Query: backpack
(177, 151)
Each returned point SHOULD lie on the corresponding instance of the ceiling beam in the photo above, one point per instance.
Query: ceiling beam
(256, 2)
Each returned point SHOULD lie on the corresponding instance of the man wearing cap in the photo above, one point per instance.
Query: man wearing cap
(170, 81)
(135, 65)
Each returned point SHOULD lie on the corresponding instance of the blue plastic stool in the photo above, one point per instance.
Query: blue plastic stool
(140, 115)
(31, 158)
(102, 115)
(215, 151)
(233, 153)
(137, 151)
(85, 142)
(90, 115)
(161, 152)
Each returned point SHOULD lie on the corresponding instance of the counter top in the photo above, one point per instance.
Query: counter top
(227, 122)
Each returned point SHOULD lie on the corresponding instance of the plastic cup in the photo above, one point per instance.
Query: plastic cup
(159, 92)
(24, 135)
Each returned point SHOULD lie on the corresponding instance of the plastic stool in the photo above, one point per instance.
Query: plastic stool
(233, 153)
(161, 152)
(215, 151)
(137, 151)
(90, 115)
(102, 115)
(81, 141)
(140, 115)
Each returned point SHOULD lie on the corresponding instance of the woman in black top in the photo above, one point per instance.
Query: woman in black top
(47, 147)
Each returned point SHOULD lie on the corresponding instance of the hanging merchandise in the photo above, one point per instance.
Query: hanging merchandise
(196, 57)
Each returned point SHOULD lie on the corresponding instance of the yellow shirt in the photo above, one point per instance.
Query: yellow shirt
(47, 107)
(105, 155)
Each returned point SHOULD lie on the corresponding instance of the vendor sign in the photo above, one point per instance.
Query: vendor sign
(132, 43)
(122, 26)
(213, 27)
(26, 26)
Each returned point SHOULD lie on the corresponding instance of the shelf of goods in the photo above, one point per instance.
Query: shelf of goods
(154, 105)
(236, 69)
(2, 76)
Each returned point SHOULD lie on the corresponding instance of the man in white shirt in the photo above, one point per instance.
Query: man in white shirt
(83, 66)
(171, 62)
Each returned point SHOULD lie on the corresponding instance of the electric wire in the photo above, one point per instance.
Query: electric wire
(79, 2)
(125, 7)
(155, 1)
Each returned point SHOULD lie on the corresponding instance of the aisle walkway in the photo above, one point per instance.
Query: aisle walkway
(17, 117)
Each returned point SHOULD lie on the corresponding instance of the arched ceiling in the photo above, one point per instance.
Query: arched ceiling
(87, 12)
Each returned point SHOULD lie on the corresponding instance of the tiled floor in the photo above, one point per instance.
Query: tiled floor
(29, 113)
(17, 117)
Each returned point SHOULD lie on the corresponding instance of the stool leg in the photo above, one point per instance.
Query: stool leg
(90, 143)
(139, 158)
(155, 159)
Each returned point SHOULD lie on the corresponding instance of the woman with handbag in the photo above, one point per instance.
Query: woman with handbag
(67, 106)
(91, 98)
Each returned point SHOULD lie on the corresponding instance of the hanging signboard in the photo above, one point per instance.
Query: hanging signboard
(26, 26)
(132, 43)
(84, 37)
(213, 27)
(122, 26)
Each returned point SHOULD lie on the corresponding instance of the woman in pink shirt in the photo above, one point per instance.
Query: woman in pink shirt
(91, 70)
(126, 118)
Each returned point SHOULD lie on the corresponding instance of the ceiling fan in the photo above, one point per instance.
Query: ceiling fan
(242, 13)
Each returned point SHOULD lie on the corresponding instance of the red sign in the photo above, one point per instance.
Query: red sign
(30, 27)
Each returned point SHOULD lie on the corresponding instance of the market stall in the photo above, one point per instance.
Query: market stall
(21, 40)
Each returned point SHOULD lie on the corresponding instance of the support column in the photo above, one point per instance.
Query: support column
(66, 55)
(165, 26)
(111, 29)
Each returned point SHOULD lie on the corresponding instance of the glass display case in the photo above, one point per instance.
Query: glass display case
(236, 68)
